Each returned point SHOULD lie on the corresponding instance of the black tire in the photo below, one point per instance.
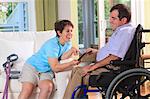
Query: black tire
(123, 76)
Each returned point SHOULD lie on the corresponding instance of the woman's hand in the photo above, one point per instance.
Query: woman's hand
(75, 62)
(74, 51)
(70, 53)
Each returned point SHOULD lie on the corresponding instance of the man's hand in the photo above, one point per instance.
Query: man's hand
(91, 50)
(86, 69)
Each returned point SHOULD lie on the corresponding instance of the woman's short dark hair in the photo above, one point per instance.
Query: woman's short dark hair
(123, 10)
(60, 25)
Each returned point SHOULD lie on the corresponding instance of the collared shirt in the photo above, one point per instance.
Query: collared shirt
(118, 43)
(51, 48)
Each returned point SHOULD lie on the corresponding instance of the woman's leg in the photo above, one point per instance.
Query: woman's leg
(45, 84)
(46, 88)
(29, 81)
(26, 91)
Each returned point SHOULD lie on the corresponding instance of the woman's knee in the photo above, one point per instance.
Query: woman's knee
(27, 89)
(27, 86)
(46, 85)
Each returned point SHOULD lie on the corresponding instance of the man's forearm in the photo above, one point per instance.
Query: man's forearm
(103, 62)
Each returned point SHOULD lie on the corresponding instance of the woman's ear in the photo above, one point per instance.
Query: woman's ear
(59, 34)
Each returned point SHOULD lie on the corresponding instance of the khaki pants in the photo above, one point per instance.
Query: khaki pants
(76, 80)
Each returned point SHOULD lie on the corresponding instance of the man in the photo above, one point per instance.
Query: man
(115, 48)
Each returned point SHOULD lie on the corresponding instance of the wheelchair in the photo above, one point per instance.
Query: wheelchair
(126, 82)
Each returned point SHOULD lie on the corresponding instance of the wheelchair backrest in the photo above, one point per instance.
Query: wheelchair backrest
(133, 54)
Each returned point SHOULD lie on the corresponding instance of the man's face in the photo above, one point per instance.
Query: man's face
(114, 20)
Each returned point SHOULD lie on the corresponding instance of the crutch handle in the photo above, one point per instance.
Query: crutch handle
(12, 57)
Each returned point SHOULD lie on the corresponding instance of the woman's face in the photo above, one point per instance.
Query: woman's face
(66, 34)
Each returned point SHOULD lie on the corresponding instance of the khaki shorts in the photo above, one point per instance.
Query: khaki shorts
(29, 74)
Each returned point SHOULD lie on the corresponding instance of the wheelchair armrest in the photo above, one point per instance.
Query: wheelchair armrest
(124, 62)
(120, 63)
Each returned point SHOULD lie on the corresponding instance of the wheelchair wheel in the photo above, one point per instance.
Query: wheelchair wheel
(133, 91)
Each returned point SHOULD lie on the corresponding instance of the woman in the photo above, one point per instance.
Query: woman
(39, 68)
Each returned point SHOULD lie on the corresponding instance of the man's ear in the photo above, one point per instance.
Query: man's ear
(124, 20)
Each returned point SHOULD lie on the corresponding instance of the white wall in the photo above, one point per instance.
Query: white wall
(137, 11)
(64, 9)
(101, 23)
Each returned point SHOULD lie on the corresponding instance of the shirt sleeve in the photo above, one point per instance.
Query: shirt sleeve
(52, 50)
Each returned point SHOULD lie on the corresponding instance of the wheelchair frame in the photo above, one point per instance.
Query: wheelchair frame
(129, 73)
(134, 91)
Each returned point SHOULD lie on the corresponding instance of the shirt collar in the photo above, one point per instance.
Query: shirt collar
(125, 25)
